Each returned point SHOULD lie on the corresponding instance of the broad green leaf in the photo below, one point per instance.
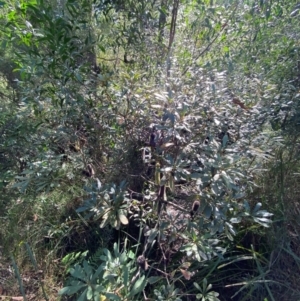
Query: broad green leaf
(78, 272)
(123, 258)
(97, 273)
(204, 285)
(70, 290)
(207, 211)
(153, 279)
(196, 285)
(125, 276)
(88, 269)
(200, 296)
(83, 296)
(116, 250)
(138, 286)
(225, 140)
(111, 296)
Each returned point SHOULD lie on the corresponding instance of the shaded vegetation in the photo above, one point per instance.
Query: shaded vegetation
(149, 150)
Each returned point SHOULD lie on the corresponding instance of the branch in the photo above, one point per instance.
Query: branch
(173, 23)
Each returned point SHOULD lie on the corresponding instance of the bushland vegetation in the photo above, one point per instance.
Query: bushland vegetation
(149, 150)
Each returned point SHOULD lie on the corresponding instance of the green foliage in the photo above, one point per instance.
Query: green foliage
(110, 205)
(205, 293)
(18, 276)
(167, 293)
(112, 273)
(186, 106)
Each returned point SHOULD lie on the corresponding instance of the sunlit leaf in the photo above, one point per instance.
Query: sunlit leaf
(123, 219)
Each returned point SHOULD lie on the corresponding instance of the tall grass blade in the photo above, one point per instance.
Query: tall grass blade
(32, 258)
(18, 275)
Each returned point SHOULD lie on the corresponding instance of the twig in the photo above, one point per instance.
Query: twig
(176, 206)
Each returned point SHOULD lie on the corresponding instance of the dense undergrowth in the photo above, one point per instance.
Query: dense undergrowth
(149, 150)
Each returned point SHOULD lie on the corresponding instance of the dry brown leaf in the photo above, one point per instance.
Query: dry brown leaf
(239, 103)
(31, 297)
(186, 274)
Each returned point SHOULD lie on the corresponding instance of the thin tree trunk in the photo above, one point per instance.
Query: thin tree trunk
(162, 20)
(171, 40)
